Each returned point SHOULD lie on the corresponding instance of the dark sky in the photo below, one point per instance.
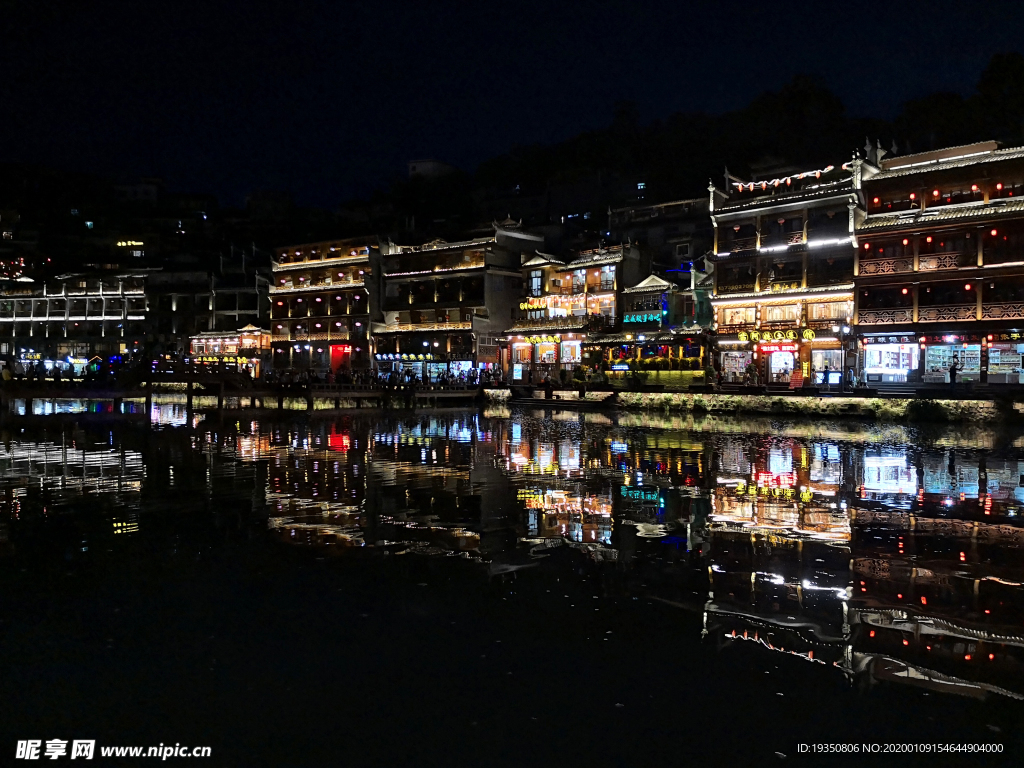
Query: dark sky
(327, 100)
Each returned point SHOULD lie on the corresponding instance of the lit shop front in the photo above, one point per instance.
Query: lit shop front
(995, 358)
(535, 356)
(1005, 353)
(241, 350)
(778, 355)
(889, 358)
(427, 355)
(735, 354)
(939, 352)
(780, 359)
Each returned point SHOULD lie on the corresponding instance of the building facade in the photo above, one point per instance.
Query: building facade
(940, 267)
(568, 308)
(74, 317)
(783, 257)
(677, 235)
(246, 350)
(445, 305)
(322, 302)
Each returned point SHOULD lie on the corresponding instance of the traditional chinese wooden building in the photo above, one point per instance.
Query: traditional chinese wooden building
(320, 304)
(567, 305)
(445, 305)
(247, 349)
(940, 266)
(784, 266)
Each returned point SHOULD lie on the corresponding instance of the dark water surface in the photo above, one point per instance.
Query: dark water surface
(511, 588)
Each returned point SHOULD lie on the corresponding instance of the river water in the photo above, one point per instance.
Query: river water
(510, 587)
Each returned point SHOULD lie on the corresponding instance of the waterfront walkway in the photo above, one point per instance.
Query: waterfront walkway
(235, 393)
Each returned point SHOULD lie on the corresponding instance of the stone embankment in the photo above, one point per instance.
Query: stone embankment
(887, 409)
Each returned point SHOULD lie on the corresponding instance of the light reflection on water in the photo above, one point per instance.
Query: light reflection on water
(890, 553)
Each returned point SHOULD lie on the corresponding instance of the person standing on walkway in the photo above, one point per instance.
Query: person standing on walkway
(953, 368)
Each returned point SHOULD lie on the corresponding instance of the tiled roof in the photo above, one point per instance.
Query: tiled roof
(941, 215)
(572, 323)
(994, 156)
(601, 256)
(781, 295)
(651, 284)
(543, 259)
(827, 189)
(670, 336)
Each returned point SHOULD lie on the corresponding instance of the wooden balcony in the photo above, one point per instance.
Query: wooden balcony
(786, 238)
(886, 266)
(885, 316)
(1008, 311)
(453, 326)
(313, 285)
(933, 262)
(943, 314)
(570, 323)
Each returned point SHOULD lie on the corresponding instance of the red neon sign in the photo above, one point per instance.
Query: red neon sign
(779, 347)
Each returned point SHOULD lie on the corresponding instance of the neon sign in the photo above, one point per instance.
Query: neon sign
(780, 347)
(642, 317)
(770, 335)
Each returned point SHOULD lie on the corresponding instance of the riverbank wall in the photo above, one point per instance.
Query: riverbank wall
(886, 409)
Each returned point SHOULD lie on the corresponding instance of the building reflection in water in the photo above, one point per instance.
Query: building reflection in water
(892, 564)
(887, 557)
(40, 479)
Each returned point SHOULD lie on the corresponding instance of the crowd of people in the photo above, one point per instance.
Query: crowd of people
(112, 372)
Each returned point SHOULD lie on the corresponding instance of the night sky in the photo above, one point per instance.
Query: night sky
(328, 100)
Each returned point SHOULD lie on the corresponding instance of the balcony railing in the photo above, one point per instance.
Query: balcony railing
(572, 322)
(885, 316)
(938, 261)
(940, 314)
(1008, 311)
(396, 270)
(602, 285)
(886, 266)
(453, 326)
(786, 238)
(317, 284)
(741, 244)
(292, 262)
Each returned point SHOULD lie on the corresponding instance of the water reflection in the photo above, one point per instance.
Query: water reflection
(889, 554)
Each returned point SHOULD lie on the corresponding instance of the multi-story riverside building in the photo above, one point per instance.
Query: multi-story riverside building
(244, 350)
(322, 301)
(940, 266)
(567, 306)
(784, 266)
(183, 302)
(73, 316)
(445, 305)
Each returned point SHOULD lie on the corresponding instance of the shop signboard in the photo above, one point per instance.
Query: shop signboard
(778, 346)
(902, 339)
(771, 335)
(642, 317)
